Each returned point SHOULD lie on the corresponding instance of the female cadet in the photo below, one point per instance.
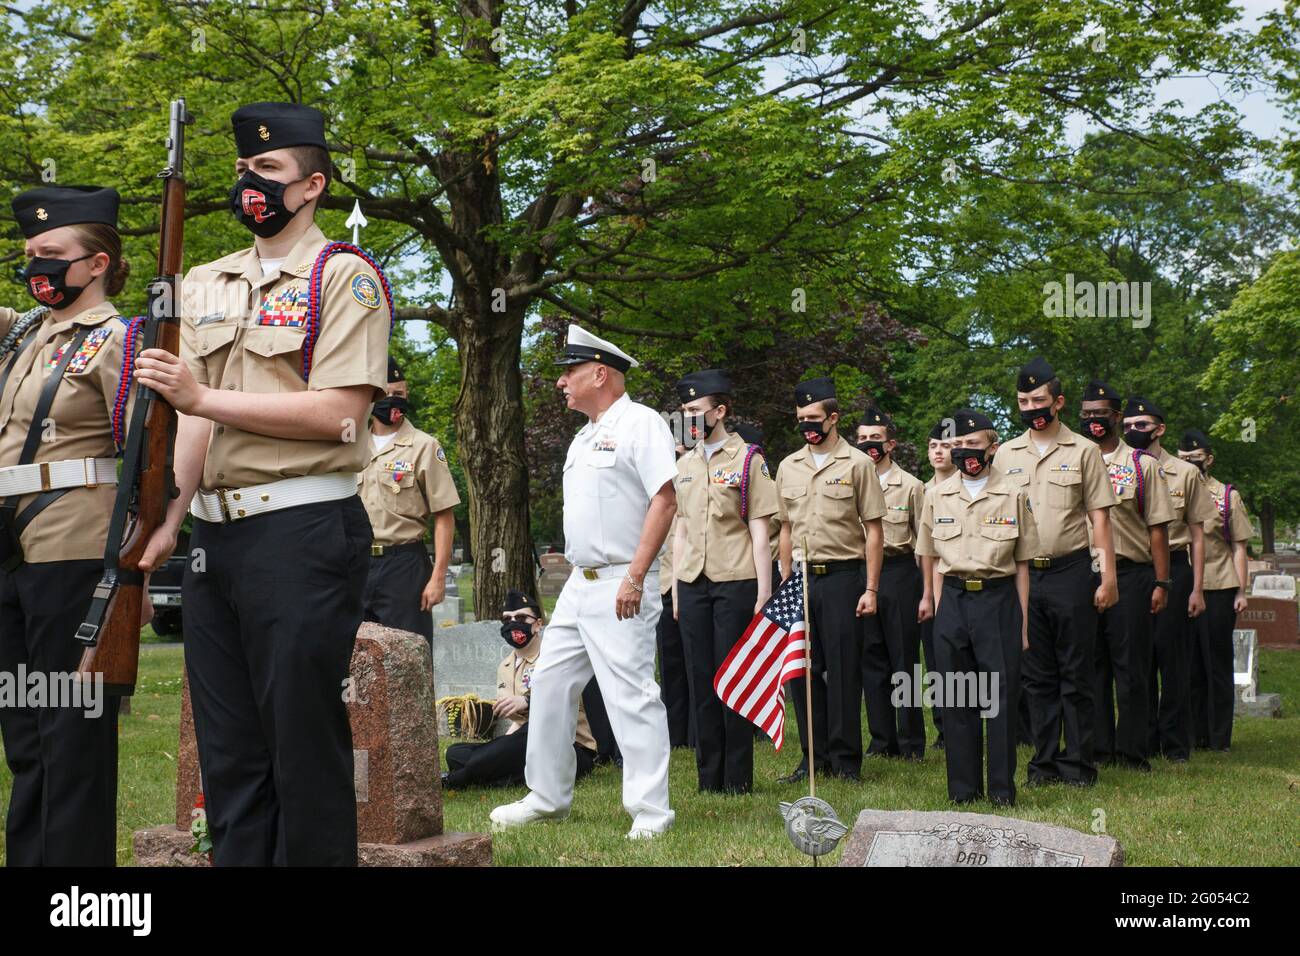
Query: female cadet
(62, 413)
(725, 497)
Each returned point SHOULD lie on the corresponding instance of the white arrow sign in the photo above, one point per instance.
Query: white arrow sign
(356, 220)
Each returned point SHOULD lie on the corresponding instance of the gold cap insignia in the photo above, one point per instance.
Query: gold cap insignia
(1142, 408)
(970, 423)
(807, 398)
(597, 355)
(1032, 380)
(41, 214)
(691, 390)
(263, 133)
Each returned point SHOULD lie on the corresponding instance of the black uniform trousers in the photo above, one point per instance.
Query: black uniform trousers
(63, 806)
(271, 614)
(1058, 670)
(499, 762)
(1169, 718)
(836, 669)
(977, 633)
(393, 587)
(892, 645)
(1213, 694)
(932, 664)
(713, 615)
(675, 688)
(1123, 662)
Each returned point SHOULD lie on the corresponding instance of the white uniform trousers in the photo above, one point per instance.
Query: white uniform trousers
(585, 638)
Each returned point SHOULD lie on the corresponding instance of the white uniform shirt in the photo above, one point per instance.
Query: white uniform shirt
(613, 468)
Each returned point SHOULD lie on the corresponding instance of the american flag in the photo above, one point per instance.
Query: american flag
(751, 681)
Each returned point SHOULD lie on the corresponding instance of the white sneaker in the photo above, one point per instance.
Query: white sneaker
(518, 814)
(643, 833)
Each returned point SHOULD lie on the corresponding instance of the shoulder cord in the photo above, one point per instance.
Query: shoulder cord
(750, 452)
(1226, 511)
(314, 296)
(1141, 482)
(125, 378)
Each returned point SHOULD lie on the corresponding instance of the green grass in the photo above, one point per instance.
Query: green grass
(1241, 808)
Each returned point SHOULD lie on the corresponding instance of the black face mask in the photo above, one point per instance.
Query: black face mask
(969, 461)
(47, 281)
(258, 203)
(812, 432)
(516, 633)
(1098, 429)
(390, 410)
(1037, 418)
(1139, 440)
(867, 447)
(1200, 465)
(696, 428)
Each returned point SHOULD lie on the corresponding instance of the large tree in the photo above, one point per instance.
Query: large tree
(697, 173)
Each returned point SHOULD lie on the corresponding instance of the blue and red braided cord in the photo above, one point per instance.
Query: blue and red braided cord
(314, 296)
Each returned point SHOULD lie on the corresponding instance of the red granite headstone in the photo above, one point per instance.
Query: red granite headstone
(1275, 620)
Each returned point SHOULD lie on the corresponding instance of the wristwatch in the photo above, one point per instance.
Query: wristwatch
(1165, 584)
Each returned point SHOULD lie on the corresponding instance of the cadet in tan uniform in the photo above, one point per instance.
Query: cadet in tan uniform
(1068, 488)
(500, 762)
(674, 669)
(405, 481)
(827, 492)
(892, 643)
(976, 536)
(939, 452)
(1139, 523)
(285, 347)
(1169, 715)
(1225, 582)
(722, 570)
(60, 371)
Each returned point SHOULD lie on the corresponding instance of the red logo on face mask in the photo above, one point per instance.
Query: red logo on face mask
(972, 466)
(44, 292)
(1098, 430)
(254, 204)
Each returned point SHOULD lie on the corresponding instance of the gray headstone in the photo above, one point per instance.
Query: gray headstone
(1264, 705)
(1245, 663)
(446, 613)
(465, 659)
(1274, 586)
(949, 838)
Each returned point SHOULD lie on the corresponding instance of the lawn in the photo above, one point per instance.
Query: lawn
(1241, 808)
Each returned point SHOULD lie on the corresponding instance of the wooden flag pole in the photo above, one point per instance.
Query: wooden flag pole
(807, 677)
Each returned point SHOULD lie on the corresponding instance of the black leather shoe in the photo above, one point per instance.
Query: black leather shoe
(963, 801)
(851, 776)
(798, 775)
(1003, 801)
(1036, 780)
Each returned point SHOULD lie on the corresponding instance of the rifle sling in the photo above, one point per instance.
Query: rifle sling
(27, 340)
(43, 405)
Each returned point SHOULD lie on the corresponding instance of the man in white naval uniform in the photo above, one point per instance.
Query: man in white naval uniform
(618, 503)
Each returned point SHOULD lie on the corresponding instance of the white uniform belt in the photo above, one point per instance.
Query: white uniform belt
(49, 475)
(610, 571)
(231, 504)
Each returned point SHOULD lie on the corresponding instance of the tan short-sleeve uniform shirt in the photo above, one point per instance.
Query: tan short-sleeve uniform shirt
(1129, 526)
(981, 537)
(1219, 570)
(829, 504)
(515, 679)
(904, 499)
(244, 331)
(79, 425)
(1066, 482)
(1190, 499)
(404, 484)
(718, 544)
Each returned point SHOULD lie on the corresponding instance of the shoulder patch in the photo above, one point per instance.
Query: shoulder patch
(442, 455)
(763, 468)
(365, 290)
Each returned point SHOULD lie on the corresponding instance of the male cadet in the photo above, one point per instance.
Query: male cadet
(618, 503)
(285, 345)
(939, 451)
(828, 494)
(405, 481)
(1169, 713)
(893, 638)
(1225, 583)
(976, 536)
(1139, 522)
(1066, 481)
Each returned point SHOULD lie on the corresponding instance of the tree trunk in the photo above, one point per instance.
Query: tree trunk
(1266, 526)
(489, 423)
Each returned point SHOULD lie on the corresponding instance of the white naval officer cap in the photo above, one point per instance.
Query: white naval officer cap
(582, 346)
